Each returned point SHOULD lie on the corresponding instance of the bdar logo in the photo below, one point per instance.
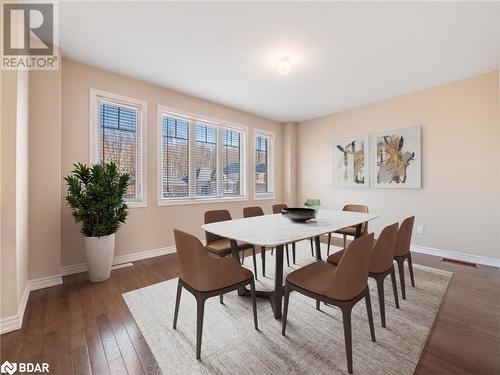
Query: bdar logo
(8, 368)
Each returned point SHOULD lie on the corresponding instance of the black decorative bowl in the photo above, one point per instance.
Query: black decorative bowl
(299, 215)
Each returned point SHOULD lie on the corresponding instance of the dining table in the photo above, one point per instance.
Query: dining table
(276, 231)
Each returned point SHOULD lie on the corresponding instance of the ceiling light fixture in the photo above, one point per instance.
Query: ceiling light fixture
(284, 66)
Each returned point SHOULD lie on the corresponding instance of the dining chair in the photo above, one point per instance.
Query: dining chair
(343, 286)
(381, 264)
(350, 231)
(221, 246)
(315, 204)
(257, 211)
(402, 252)
(205, 276)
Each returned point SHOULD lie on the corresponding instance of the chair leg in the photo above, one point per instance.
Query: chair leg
(272, 251)
(328, 247)
(312, 247)
(345, 241)
(254, 263)
(200, 301)
(401, 269)
(263, 257)
(381, 299)
(287, 256)
(394, 287)
(221, 299)
(317, 305)
(368, 302)
(410, 267)
(254, 304)
(346, 317)
(177, 303)
(243, 257)
(293, 253)
(285, 309)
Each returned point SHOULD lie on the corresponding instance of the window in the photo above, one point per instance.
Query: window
(117, 134)
(199, 159)
(264, 168)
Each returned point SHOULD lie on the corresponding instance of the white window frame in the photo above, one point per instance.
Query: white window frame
(220, 124)
(142, 126)
(272, 138)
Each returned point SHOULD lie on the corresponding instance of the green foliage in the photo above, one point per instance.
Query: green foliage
(96, 198)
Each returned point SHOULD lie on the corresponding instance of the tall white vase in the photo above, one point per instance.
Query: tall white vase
(99, 252)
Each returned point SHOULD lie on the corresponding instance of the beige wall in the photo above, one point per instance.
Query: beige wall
(289, 158)
(45, 173)
(14, 192)
(151, 227)
(460, 198)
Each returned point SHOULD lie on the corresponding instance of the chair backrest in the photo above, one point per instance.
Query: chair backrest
(278, 207)
(358, 208)
(383, 250)
(214, 217)
(404, 236)
(192, 257)
(350, 277)
(252, 211)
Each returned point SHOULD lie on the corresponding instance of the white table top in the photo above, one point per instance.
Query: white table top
(274, 230)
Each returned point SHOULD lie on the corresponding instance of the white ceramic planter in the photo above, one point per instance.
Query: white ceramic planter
(99, 252)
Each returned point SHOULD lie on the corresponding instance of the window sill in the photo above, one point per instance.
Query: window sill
(186, 202)
(136, 204)
(264, 197)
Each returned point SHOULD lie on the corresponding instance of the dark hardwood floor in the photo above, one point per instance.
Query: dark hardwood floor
(83, 328)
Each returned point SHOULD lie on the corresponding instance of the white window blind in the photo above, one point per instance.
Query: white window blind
(264, 147)
(118, 136)
(200, 159)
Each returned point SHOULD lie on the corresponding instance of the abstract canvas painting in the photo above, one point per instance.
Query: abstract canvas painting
(396, 156)
(350, 162)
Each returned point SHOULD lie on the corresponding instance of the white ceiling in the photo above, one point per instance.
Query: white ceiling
(343, 54)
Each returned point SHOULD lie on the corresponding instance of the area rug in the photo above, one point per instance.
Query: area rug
(314, 343)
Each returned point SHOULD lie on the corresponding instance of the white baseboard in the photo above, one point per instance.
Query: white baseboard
(15, 322)
(119, 260)
(456, 255)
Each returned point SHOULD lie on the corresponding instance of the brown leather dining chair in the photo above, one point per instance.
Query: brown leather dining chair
(257, 211)
(350, 231)
(277, 208)
(381, 264)
(205, 276)
(221, 246)
(342, 286)
(402, 252)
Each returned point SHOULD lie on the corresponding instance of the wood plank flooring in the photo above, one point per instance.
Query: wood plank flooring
(84, 328)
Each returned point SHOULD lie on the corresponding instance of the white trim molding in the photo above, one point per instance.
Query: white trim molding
(119, 260)
(485, 261)
(15, 322)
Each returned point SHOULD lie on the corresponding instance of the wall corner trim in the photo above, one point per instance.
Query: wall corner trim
(485, 261)
(15, 322)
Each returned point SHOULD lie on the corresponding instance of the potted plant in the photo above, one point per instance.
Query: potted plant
(96, 198)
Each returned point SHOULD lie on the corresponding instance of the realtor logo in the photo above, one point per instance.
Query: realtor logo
(29, 36)
(8, 368)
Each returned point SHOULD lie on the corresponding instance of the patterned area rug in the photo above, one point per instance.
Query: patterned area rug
(315, 339)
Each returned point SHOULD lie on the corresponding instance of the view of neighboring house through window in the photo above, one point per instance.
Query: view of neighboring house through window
(206, 160)
(200, 159)
(263, 164)
(175, 156)
(231, 162)
(118, 137)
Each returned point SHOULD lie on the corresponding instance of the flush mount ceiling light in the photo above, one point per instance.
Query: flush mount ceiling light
(284, 66)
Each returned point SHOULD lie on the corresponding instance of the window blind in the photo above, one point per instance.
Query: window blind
(118, 138)
(263, 164)
(201, 160)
